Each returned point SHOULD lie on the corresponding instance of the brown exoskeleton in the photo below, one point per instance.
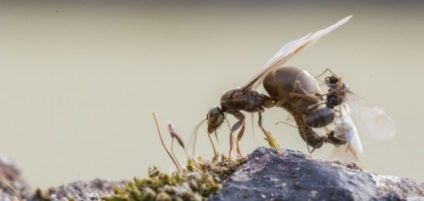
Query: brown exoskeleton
(300, 95)
(297, 91)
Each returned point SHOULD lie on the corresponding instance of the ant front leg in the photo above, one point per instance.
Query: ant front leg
(240, 116)
(213, 147)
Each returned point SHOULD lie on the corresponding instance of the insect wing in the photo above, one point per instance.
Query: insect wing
(288, 51)
(352, 134)
(345, 154)
(345, 128)
(370, 120)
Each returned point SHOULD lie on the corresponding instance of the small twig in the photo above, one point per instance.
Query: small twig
(173, 154)
(163, 144)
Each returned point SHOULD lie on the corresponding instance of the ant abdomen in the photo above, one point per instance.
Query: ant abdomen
(319, 118)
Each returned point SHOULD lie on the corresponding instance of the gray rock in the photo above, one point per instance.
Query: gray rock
(11, 181)
(296, 176)
(79, 190)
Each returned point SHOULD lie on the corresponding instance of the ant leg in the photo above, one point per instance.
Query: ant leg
(239, 136)
(253, 124)
(283, 122)
(326, 70)
(228, 123)
(311, 138)
(231, 146)
(213, 147)
(268, 135)
(318, 145)
(240, 116)
(305, 95)
(303, 130)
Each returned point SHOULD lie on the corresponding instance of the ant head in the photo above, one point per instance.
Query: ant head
(333, 81)
(215, 118)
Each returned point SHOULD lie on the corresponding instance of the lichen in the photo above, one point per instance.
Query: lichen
(197, 181)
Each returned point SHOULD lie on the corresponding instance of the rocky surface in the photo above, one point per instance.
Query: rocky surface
(82, 191)
(296, 176)
(14, 187)
(264, 176)
(11, 181)
(79, 190)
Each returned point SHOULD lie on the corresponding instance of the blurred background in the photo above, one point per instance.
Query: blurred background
(79, 81)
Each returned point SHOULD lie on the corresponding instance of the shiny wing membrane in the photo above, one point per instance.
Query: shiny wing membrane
(370, 120)
(345, 128)
(352, 134)
(288, 51)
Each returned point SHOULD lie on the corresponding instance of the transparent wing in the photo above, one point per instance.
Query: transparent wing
(370, 120)
(346, 129)
(345, 154)
(352, 134)
(288, 51)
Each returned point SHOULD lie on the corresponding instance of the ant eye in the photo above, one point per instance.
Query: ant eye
(333, 79)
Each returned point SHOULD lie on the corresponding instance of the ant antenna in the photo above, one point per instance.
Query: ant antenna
(193, 137)
(325, 71)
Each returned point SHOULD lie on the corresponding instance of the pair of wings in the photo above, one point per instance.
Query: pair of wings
(358, 116)
(288, 51)
(369, 119)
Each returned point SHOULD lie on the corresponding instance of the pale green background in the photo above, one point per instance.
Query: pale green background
(79, 81)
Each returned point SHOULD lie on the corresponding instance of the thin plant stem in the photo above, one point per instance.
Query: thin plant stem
(163, 144)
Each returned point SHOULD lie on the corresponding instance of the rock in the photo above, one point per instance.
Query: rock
(296, 176)
(79, 190)
(11, 181)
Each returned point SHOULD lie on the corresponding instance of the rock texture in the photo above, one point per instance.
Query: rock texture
(13, 185)
(79, 190)
(295, 176)
(264, 176)
(11, 181)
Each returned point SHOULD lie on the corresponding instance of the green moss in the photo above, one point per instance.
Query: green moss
(198, 180)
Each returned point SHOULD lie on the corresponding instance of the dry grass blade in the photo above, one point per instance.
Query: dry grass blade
(163, 144)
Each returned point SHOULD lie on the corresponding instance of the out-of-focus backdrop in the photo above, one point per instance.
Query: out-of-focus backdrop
(79, 81)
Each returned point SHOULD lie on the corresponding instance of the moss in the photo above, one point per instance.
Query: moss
(39, 195)
(197, 181)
